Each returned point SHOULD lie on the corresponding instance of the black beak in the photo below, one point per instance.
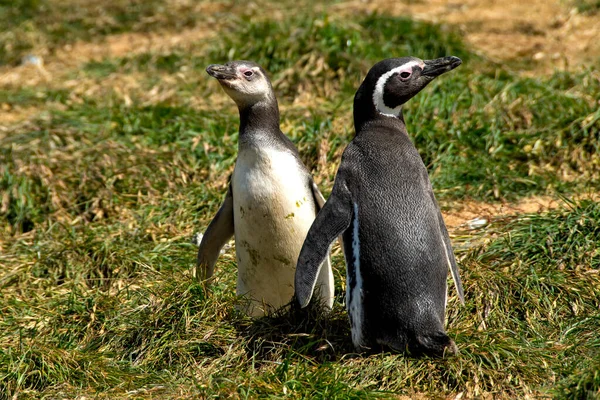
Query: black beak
(438, 66)
(221, 72)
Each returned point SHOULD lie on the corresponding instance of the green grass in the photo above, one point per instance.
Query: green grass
(99, 198)
(522, 328)
(27, 97)
(340, 50)
(502, 136)
(590, 7)
(539, 280)
(483, 131)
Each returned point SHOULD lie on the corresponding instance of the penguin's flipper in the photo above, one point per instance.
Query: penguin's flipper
(219, 231)
(333, 219)
(320, 201)
(448, 249)
(451, 259)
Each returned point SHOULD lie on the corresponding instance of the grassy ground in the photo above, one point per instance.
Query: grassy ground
(113, 162)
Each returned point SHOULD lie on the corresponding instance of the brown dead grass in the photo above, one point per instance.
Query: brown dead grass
(58, 70)
(550, 33)
(71, 57)
(130, 44)
(9, 115)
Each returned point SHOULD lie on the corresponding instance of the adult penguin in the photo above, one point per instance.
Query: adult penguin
(271, 201)
(396, 244)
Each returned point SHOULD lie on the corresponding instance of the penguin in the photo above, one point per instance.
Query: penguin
(271, 201)
(397, 247)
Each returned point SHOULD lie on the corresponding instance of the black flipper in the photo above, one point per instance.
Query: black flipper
(451, 259)
(448, 248)
(333, 219)
(320, 202)
(219, 231)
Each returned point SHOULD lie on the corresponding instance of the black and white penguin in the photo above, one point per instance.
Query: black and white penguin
(397, 248)
(271, 201)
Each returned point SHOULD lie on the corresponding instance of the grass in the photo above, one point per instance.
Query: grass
(341, 51)
(34, 25)
(590, 7)
(126, 157)
(550, 284)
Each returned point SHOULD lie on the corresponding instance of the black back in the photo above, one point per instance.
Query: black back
(403, 247)
(403, 259)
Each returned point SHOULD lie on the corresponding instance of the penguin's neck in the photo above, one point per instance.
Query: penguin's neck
(261, 117)
(365, 111)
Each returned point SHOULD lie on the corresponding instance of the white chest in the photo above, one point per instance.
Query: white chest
(273, 209)
(273, 182)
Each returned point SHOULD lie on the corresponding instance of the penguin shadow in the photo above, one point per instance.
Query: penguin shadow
(309, 332)
(320, 335)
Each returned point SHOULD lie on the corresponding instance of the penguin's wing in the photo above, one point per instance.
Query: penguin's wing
(319, 202)
(451, 259)
(448, 249)
(333, 219)
(219, 231)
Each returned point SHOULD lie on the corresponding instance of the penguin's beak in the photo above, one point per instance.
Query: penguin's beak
(438, 66)
(221, 72)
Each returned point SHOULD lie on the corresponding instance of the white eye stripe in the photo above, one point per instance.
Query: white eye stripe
(380, 85)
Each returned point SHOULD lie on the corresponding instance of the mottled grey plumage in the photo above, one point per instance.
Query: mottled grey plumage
(271, 202)
(397, 248)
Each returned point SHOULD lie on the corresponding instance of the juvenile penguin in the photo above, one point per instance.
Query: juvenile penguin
(397, 248)
(271, 201)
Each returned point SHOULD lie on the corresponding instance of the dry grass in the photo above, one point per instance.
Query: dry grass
(118, 148)
(534, 37)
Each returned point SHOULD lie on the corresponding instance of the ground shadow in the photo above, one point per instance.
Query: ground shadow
(311, 332)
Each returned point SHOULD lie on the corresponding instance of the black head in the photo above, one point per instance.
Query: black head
(244, 81)
(391, 83)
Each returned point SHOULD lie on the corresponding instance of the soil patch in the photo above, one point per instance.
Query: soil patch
(462, 215)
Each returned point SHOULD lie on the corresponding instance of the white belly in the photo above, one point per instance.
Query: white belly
(273, 209)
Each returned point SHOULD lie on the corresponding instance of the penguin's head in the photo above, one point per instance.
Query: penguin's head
(244, 81)
(392, 82)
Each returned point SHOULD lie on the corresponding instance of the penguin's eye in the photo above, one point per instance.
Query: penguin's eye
(248, 73)
(404, 75)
